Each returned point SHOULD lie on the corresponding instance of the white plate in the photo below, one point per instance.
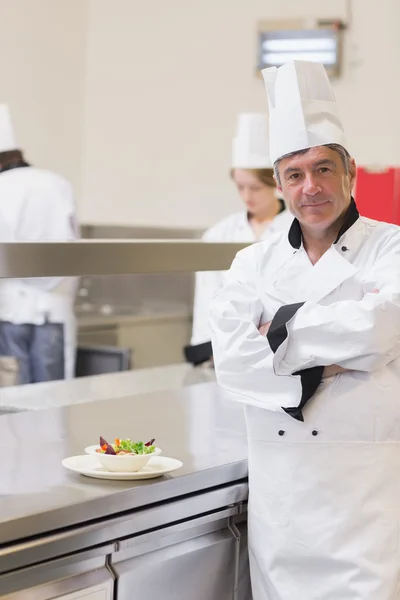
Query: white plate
(88, 465)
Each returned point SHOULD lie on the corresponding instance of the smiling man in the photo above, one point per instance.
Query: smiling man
(306, 334)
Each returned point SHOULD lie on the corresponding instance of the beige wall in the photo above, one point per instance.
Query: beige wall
(166, 80)
(42, 70)
(136, 102)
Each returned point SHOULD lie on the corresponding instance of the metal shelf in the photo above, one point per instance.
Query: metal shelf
(114, 257)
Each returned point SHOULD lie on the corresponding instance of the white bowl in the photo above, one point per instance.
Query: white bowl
(127, 463)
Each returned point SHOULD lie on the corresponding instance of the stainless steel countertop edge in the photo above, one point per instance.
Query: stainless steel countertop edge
(167, 489)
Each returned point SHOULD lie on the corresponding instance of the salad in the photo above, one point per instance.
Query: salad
(121, 447)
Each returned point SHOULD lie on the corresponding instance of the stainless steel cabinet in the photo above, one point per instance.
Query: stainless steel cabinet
(193, 547)
(243, 583)
(198, 559)
(83, 576)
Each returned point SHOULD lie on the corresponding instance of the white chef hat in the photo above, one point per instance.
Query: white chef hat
(302, 108)
(250, 144)
(7, 135)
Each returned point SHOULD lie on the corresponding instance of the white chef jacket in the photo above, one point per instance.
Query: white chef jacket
(37, 205)
(324, 507)
(235, 228)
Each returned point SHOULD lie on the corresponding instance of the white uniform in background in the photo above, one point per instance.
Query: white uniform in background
(324, 504)
(249, 151)
(36, 206)
(235, 228)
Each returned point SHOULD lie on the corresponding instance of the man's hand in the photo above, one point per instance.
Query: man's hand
(264, 328)
(333, 370)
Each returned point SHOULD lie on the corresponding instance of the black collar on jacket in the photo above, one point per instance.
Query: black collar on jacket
(295, 235)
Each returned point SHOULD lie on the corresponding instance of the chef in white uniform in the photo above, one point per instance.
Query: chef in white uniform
(306, 334)
(264, 214)
(37, 325)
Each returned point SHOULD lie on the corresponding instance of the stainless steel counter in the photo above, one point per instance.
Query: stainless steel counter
(56, 394)
(197, 425)
(66, 536)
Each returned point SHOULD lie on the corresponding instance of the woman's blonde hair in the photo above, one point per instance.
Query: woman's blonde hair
(265, 176)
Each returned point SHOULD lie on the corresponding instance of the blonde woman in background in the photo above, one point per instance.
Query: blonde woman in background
(264, 214)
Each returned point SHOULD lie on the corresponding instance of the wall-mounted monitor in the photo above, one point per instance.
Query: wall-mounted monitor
(279, 42)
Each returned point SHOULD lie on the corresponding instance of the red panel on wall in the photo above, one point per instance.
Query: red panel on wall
(377, 194)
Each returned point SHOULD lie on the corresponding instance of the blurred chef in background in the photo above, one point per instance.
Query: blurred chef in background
(37, 324)
(264, 213)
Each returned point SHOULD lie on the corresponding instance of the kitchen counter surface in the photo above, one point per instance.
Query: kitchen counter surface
(196, 424)
(102, 387)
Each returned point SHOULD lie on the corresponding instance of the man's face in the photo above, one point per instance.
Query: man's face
(316, 187)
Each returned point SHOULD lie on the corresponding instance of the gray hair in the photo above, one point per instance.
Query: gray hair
(344, 155)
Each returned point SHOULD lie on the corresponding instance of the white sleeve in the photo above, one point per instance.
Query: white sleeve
(47, 215)
(360, 335)
(207, 285)
(242, 356)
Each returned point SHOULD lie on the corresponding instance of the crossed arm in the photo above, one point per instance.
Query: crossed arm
(359, 335)
(329, 371)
